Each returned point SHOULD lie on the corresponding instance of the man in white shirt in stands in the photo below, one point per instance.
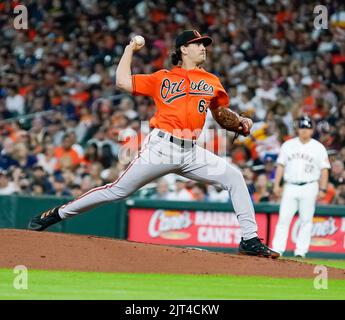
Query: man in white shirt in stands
(7, 187)
(14, 102)
(180, 193)
(304, 164)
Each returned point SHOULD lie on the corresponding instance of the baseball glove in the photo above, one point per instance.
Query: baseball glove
(234, 122)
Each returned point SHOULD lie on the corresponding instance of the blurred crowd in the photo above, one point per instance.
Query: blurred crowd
(63, 122)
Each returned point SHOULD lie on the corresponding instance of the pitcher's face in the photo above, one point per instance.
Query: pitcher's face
(196, 52)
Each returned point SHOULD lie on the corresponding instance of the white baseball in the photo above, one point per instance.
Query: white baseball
(139, 40)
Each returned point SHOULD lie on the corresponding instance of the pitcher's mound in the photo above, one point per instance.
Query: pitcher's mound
(58, 251)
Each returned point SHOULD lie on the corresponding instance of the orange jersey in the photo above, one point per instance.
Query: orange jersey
(182, 98)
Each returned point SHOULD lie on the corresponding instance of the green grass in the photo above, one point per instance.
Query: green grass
(48, 285)
(330, 263)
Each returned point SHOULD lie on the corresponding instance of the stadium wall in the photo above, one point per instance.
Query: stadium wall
(17, 210)
(214, 226)
(205, 225)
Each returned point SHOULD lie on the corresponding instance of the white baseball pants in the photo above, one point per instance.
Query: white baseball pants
(157, 157)
(296, 198)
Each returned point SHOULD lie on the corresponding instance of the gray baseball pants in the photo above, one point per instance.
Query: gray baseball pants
(158, 157)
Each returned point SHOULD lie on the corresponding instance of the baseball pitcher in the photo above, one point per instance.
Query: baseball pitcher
(182, 97)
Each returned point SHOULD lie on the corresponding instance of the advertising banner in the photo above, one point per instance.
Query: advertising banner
(188, 227)
(328, 233)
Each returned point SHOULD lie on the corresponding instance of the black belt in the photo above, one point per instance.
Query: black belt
(301, 183)
(180, 142)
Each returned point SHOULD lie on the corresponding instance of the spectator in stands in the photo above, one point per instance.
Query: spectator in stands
(107, 148)
(66, 156)
(248, 175)
(269, 163)
(41, 180)
(37, 189)
(272, 62)
(337, 176)
(342, 154)
(180, 193)
(87, 182)
(7, 187)
(23, 157)
(6, 155)
(47, 159)
(162, 190)
(261, 194)
(76, 191)
(91, 154)
(59, 185)
(240, 155)
(340, 195)
(15, 103)
(200, 192)
(75, 145)
(95, 173)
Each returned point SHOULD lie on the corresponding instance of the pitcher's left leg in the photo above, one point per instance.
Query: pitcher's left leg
(231, 179)
(210, 168)
(204, 166)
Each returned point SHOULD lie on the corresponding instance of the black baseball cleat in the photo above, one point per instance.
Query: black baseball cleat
(44, 220)
(254, 247)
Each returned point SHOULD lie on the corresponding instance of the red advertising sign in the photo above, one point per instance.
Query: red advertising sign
(192, 228)
(328, 234)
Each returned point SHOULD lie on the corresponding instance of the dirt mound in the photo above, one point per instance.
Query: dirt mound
(57, 251)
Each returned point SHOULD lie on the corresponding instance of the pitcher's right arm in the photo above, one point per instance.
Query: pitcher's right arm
(123, 71)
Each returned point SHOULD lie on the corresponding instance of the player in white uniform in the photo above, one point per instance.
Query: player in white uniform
(304, 164)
